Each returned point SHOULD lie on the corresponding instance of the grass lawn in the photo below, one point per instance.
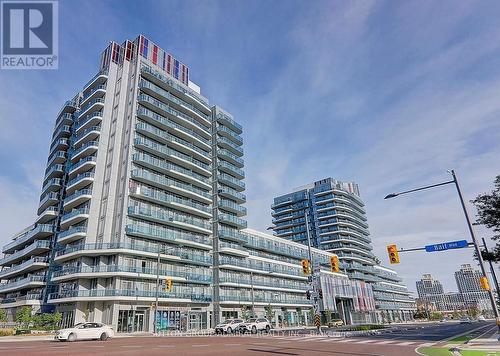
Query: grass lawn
(479, 353)
(437, 351)
(461, 339)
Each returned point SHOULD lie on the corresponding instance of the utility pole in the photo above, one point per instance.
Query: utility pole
(313, 281)
(492, 268)
(253, 299)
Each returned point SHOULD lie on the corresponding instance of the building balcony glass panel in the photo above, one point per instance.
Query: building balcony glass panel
(133, 294)
(79, 182)
(230, 157)
(77, 198)
(95, 104)
(230, 134)
(231, 169)
(57, 157)
(98, 90)
(59, 144)
(87, 149)
(229, 145)
(36, 247)
(48, 214)
(231, 182)
(28, 282)
(72, 234)
(39, 231)
(63, 131)
(232, 207)
(98, 79)
(232, 194)
(91, 133)
(64, 119)
(233, 235)
(260, 267)
(232, 220)
(33, 264)
(55, 171)
(52, 185)
(82, 165)
(75, 216)
(228, 121)
(28, 299)
(92, 119)
(48, 200)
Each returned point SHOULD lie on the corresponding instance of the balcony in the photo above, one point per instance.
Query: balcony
(172, 185)
(94, 92)
(92, 119)
(47, 215)
(128, 295)
(55, 171)
(232, 220)
(52, 185)
(85, 150)
(92, 105)
(232, 207)
(64, 119)
(162, 234)
(275, 284)
(231, 169)
(59, 144)
(230, 157)
(228, 121)
(98, 79)
(229, 145)
(230, 181)
(25, 283)
(225, 132)
(28, 299)
(233, 249)
(232, 235)
(57, 157)
(62, 132)
(99, 249)
(80, 181)
(259, 300)
(277, 248)
(259, 267)
(74, 217)
(47, 200)
(33, 264)
(77, 198)
(72, 234)
(83, 165)
(230, 193)
(91, 133)
(40, 231)
(35, 248)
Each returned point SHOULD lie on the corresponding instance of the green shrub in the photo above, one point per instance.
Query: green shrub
(7, 332)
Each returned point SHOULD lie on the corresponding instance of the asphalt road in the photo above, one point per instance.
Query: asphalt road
(401, 341)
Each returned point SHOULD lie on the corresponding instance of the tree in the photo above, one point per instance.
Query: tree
(473, 312)
(24, 316)
(245, 312)
(269, 312)
(488, 214)
(3, 316)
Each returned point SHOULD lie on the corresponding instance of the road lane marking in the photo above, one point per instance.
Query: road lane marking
(205, 345)
(427, 344)
(385, 342)
(166, 346)
(131, 346)
(365, 341)
(405, 343)
(232, 344)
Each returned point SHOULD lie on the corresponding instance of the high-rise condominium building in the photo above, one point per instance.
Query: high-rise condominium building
(431, 290)
(332, 214)
(468, 283)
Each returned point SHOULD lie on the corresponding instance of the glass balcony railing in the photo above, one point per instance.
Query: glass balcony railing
(19, 267)
(168, 216)
(89, 105)
(225, 154)
(55, 182)
(82, 121)
(91, 145)
(261, 266)
(88, 175)
(232, 235)
(41, 229)
(202, 298)
(230, 180)
(86, 131)
(89, 93)
(221, 140)
(276, 283)
(58, 168)
(165, 182)
(21, 282)
(233, 194)
(82, 162)
(71, 231)
(228, 120)
(40, 244)
(77, 194)
(64, 118)
(186, 257)
(75, 212)
(223, 165)
(226, 204)
(233, 220)
(30, 296)
(161, 233)
(222, 130)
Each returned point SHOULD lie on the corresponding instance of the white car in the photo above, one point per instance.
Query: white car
(255, 325)
(229, 326)
(85, 331)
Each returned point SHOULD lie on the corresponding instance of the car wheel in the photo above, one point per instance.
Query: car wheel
(254, 329)
(229, 330)
(103, 337)
(71, 337)
(268, 329)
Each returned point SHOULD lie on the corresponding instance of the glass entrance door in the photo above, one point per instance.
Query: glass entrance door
(139, 321)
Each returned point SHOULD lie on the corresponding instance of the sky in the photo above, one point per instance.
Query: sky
(388, 94)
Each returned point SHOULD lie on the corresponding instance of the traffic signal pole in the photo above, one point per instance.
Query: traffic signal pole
(312, 283)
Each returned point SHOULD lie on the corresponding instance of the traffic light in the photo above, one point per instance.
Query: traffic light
(305, 267)
(484, 283)
(392, 250)
(320, 294)
(308, 295)
(334, 264)
(168, 285)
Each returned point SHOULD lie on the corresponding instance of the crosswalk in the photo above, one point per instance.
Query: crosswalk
(378, 341)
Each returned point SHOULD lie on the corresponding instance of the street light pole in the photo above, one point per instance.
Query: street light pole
(316, 306)
(161, 248)
(471, 231)
(493, 273)
(253, 300)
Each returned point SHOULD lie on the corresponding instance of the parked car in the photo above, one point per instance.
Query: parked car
(481, 318)
(229, 326)
(465, 320)
(334, 323)
(85, 331)
(254, 325)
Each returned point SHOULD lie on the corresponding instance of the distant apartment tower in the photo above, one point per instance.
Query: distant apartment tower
(139, 162)
(431, 290)
(337, 222)
(468, 284)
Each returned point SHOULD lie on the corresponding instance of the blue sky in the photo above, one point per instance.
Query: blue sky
(385, 93)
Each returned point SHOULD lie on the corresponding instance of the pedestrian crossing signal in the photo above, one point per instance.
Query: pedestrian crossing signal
(334, 264)
(306, 268)
(484, 283)
(392, 250)
(168, 285)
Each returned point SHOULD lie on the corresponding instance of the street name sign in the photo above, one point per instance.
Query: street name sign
(446, 246)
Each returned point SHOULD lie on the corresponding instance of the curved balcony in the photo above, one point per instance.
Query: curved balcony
(52, 185)
(83, 165)
(276, 284)
(127, 295)
(38, 232)
(230, 134)
(160, 181)
(232, 207)
(85, 150)
(35, 248)
(261, 268)
(59, 144)
(232, 235)
(55, 171)
(25, 283)
(230, 181)
(163, 234)
(94, 92)
(355, 257)
(75, 216)
(93, 105)
(91, 133)
(185, 92)
(127, 271)
(231, 169)
(114, 248)
(233, 249)
(72, 234)
(47, 200)
(232, 220)
(33, 264)
(64, 119)
(80, 181)
(98, 79)
(178, 108)
(226, 143)
(77, 198)
(57, 157)
(161, 121)
(228, 121)
(232, 194)
(382, 287)
(92, 119)
(47, 215)
(230, 157)
(63, 131)
(170, 218)
(31, 299)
